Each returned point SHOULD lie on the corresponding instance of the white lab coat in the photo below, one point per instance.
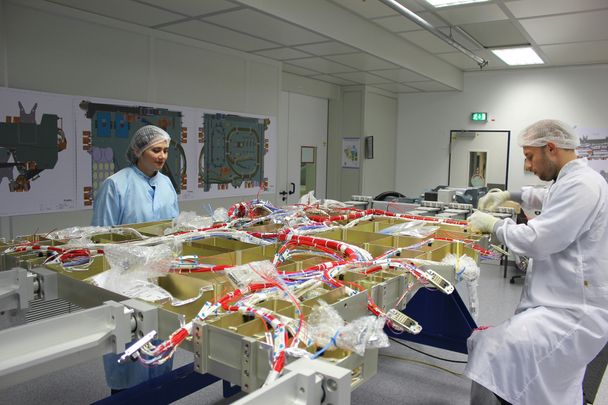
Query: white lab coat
(539, 355)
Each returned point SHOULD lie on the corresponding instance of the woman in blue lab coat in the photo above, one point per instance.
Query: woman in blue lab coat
(137, 193)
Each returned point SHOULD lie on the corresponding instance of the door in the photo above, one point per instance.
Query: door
(307, 146)
(479, 159)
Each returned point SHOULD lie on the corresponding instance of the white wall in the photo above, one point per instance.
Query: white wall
(513, 100)
(377, 175)
(353, 113)
(47, 47)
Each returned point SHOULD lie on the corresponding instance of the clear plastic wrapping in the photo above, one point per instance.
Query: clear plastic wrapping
(363, 333)
(418, 229)
(189, 221)
(331, 204)
(133, 270)
(308, 198)
(323, 324)
(220, 215)
(327, 329)
(77, 232)
(467, 269)
(252, 273)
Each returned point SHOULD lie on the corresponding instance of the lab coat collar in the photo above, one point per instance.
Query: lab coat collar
(153, 181)
(572, 166)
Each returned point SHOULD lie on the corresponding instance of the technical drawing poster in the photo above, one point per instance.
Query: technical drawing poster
(594, 148)
(108, 132)
(239, 153)
(37, 152)
(233, 152)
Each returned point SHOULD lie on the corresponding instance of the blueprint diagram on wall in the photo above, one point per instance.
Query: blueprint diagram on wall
(233, 152)
(36, 152)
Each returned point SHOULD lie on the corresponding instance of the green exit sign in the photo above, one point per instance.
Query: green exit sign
(479, 116)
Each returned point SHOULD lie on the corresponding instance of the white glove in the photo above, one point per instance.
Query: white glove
(493, 199)
(482, 222)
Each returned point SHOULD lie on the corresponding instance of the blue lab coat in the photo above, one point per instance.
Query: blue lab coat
(129, 197)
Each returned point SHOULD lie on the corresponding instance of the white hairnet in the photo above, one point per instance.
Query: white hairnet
(542, 132)
(143, 138)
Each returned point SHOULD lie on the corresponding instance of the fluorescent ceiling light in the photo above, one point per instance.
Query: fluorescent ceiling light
(518, 56)
(447, 3)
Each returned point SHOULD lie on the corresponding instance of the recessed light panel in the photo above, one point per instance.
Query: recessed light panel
(518, 56)
(447, 3)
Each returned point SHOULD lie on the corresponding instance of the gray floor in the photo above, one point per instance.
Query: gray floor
(404, 376)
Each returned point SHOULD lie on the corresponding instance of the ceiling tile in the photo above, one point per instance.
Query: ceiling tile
(333, 80)
(367, 9)
(362, 61)
(282, 53)
(217, 35)
(578, 53)
(400, 75)
(192, 7)
(434, 19)
(397, 23)
(473, 14)
(431, 85)
(412, 5)
(130, 11)
(321, 65)
(298, 70)
(589, 26)
(463, 62)
(362, 77)
(326, 48)
(263, 26)
(397, 88)
(427, 41)
(496, 33)
(534, 8)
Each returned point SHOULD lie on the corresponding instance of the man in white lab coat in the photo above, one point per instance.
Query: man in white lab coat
(539, 355)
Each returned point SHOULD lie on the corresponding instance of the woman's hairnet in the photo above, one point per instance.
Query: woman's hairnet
(143, 138)
(542, 132)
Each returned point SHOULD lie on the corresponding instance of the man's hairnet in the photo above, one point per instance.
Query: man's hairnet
(143, 138)
(542, 132)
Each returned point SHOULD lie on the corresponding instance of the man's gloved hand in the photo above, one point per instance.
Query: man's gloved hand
(482, 222)
(493, 199)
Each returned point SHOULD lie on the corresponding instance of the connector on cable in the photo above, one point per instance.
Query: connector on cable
(132, 353)
(401, 321)
(438, 281)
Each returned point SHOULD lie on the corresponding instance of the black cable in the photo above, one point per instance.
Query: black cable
(427, 354)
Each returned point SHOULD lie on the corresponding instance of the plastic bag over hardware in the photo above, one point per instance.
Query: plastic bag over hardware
(418, 229)
(220, 215)
(327, 328)
(466, 269)
(189, 221)
(252, 273)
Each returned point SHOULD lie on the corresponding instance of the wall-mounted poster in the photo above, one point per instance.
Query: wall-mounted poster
(37, 152)
(350, 152)
(594, 148)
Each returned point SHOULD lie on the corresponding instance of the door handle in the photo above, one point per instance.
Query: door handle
(293, 188)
